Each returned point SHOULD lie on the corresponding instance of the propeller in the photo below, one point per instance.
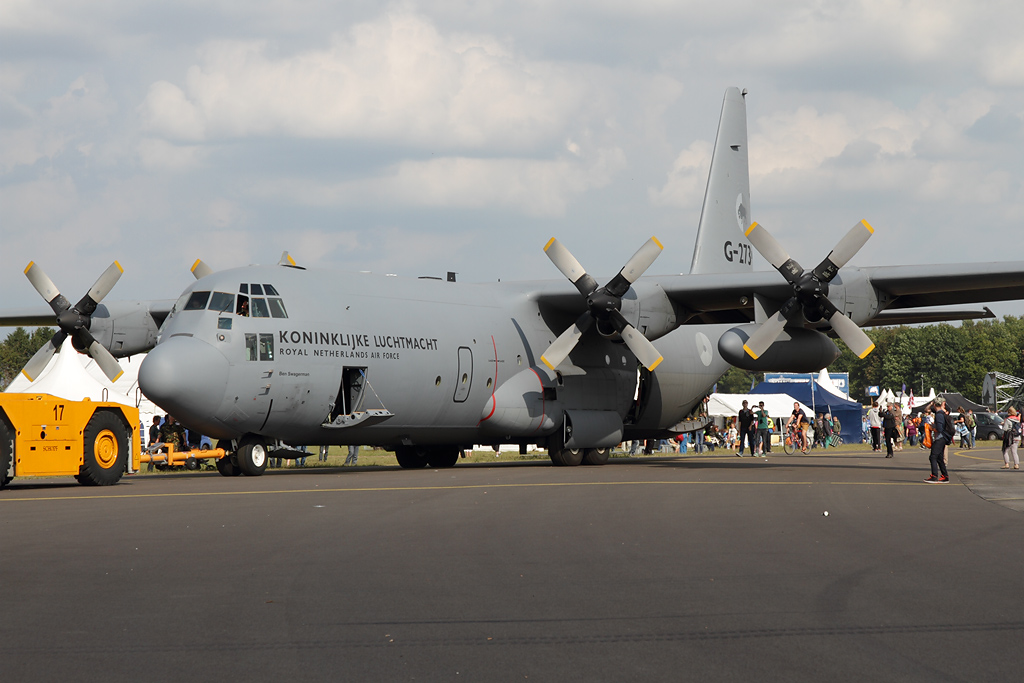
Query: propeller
(810, 290)
(603, 304)
(200, 269)
(73, 321)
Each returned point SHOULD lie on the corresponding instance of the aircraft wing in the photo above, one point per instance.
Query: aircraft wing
(707, 298)
(42, 317)
(944, 285)
(28, 317)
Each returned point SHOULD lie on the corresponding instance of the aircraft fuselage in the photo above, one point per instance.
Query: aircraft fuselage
(281, 352)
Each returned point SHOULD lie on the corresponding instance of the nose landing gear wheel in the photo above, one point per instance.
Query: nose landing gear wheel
(228, 465)
(252, 456)
(228, 468)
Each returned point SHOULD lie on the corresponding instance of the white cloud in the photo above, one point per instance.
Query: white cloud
(158, 154)
(687, 179)
(397, 78)
(535, 187)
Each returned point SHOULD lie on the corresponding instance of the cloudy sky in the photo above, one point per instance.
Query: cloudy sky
(417, 138)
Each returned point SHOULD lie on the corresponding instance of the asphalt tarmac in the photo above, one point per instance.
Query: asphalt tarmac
(698, 568)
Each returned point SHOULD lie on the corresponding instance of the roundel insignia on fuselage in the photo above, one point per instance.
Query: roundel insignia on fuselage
(703, 348)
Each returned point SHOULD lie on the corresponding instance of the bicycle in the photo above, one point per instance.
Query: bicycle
(794, 436)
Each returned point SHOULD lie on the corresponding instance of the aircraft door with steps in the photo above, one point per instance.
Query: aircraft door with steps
(350, 393)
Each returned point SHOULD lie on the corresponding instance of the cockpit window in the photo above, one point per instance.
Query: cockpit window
(277, 308)
(256, 289)
(197, 301)
(179, 303)
(221, 302)
(242, 308)
(270, 291)
(259, 308)
(243, 288)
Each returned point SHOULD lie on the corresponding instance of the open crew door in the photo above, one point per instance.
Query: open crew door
(350, 393)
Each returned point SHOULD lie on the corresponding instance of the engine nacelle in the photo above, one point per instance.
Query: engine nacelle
(124, 327)
(796, 350)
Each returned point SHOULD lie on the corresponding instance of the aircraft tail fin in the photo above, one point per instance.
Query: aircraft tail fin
(721, 243)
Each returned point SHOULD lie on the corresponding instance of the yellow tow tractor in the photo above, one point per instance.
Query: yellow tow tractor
(46, 436)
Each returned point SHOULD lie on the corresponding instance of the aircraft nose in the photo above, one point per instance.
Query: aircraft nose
(186, 377)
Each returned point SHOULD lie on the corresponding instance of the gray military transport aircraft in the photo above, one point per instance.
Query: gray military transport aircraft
(260, 356)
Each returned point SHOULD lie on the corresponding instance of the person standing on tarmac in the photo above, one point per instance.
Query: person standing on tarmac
(875, 422)
(888, 420)
(748, 429)
(941, 430)
(764, 443)
(154, 437)
(1011, 439)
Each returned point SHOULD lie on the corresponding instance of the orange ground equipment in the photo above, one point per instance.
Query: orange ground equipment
(164, 453)
(46, 436)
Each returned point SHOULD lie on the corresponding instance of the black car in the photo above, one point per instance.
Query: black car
(990, 427)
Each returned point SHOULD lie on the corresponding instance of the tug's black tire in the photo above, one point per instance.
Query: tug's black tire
(6, 453)
(105, 454)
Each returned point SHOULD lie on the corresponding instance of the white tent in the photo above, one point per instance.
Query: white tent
(826, 383)
(729, 405)
(75, 376)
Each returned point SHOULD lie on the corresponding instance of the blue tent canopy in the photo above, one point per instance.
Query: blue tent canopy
(808, 392)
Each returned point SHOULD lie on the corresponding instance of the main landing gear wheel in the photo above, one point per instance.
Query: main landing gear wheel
(252, 456)
(6, 453)
(442, 457)
(105, 455)
(565, 457)
(596, 456)
(411, 458)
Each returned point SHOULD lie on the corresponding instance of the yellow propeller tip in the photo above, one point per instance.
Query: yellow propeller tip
(656, 241)
(29, 266)
(118, 264)
(28, 376)
(868, 226)
(747, 349)
(118, 376)
(548, 245)
(195, 265)
(750, 229)
(655, 363)
(545, 361)
(867, 351)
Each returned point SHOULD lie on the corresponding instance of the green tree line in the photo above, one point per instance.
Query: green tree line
(943, 356)
(15, 351)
